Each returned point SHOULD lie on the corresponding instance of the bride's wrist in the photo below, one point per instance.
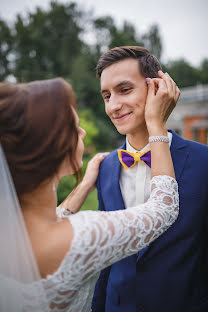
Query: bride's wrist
(157, 130)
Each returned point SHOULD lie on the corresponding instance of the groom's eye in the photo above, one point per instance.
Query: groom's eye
(125, 90)
(106, 96)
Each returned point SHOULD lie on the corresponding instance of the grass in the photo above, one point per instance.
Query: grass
(91, 203)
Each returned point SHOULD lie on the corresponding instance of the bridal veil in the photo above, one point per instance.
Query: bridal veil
(20, 285)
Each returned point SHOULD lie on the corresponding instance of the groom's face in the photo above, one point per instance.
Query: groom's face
(124, 91)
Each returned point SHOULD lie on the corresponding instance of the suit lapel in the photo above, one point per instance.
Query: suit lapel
(179, 155)
(117, 199)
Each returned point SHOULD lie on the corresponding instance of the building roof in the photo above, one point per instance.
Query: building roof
(202, 124)
(194, 94)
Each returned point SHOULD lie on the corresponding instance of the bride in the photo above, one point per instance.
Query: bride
(50, 261)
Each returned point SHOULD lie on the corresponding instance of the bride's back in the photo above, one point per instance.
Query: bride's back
(50, 241)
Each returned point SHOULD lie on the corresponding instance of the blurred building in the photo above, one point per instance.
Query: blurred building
(190, 117)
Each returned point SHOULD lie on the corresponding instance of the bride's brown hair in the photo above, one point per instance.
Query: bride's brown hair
(38, 130)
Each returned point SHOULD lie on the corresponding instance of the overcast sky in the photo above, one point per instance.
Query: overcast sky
(183, 23)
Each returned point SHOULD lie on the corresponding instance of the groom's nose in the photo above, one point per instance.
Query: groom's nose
(115, 103)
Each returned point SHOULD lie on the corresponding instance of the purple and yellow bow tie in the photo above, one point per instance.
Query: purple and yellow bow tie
(128, 160)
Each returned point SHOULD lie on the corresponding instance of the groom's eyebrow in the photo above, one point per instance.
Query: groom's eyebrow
(120, 84)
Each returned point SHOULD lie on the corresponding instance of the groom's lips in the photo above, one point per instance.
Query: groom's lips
(121, 117)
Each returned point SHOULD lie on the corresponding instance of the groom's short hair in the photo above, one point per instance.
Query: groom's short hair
(148, 63)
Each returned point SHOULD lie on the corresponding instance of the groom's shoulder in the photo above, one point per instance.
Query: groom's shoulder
(191, 146)
(110, 160)
(111, 157)
(197, 153)
(198, 147)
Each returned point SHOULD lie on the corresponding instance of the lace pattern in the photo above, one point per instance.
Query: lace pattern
(102, 238)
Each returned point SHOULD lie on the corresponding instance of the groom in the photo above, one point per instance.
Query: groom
(170, 275)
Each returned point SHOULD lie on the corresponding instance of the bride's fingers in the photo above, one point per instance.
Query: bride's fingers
(155, 85)
(169, 82)
(177, 94)
(160, 105)
(174, 86)
(152, 86)
(160, 86)
(175, 90)
(98, 158)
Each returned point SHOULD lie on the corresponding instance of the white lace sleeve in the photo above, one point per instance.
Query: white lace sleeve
(102, 238)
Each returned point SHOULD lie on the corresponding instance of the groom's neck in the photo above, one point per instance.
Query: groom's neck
(138, 139)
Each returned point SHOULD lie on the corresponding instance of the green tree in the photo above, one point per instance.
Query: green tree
(152, 41)
(47, 42)
(85, 83)
(5, 49)
(87, 123)
(204, 71)
(109, 35)
(126, 35)
(183, 73)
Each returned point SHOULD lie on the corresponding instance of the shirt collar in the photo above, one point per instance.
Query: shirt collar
(130, 148)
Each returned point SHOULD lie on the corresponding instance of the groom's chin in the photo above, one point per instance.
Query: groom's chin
(121, 130)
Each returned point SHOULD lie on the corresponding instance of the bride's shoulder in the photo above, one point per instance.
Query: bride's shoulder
(54, 245)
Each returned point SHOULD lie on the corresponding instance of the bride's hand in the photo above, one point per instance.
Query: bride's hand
(162, 97)
(92, 170)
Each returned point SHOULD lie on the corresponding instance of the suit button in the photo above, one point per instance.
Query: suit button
(140, 308)
(140, 268)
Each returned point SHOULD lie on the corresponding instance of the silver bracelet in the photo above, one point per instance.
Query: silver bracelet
(159, 138)
(67, 212)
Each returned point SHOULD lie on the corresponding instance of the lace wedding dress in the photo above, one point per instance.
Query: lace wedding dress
(100, 239)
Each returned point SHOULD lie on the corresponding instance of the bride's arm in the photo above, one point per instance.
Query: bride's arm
(76, 198)
(102, 238)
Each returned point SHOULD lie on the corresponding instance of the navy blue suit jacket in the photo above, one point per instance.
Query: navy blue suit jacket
(171, 274)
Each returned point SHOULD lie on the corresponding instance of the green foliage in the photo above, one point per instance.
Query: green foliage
(204, 71)
(87, 123)
(183, 73)
(152, 41)
(108, 138)
(5, 49)
(109, 35)
(66, 186)
(85, 83)
(46, 41)
(126, 35)
(91, 203)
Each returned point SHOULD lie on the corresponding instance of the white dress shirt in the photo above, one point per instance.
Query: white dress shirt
(135, 181)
